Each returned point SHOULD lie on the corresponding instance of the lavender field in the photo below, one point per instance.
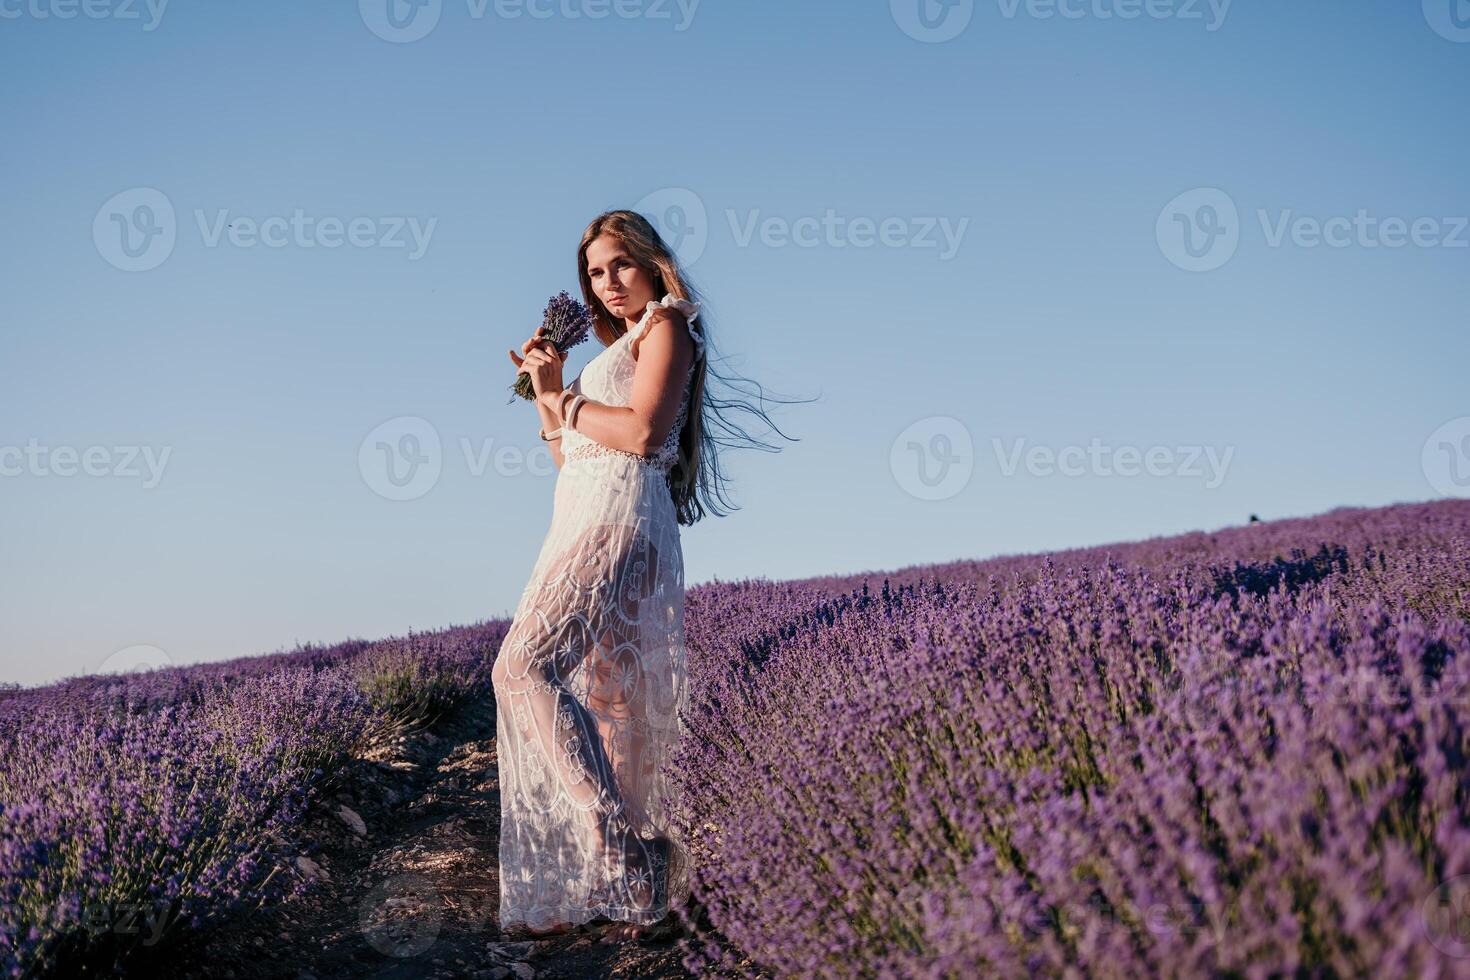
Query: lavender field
(1232, 754)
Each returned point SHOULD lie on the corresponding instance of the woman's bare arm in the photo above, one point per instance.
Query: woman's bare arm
(546, 408)
(663, 357)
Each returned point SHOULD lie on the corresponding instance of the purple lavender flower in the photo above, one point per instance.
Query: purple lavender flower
(1242, 752)
(566, 323)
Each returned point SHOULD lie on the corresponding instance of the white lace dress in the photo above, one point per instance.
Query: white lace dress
(590, 681)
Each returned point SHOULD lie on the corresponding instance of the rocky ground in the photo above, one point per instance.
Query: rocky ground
(404, 883)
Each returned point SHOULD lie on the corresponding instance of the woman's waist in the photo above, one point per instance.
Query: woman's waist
(595, 454)
(617, 480)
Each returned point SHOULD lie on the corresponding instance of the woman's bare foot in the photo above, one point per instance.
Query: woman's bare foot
(555, 929)
(619, 932)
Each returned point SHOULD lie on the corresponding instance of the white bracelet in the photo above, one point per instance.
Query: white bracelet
(553, 434)
(561, 403)
(572, 412)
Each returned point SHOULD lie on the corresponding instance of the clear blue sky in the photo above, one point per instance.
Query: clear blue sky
(1065, 314)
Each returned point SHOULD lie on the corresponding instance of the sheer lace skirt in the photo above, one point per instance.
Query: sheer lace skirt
(590, 684)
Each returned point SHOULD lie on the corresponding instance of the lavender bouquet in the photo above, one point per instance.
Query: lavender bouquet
(566, 323)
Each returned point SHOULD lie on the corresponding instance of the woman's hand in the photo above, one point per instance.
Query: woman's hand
(537, 340)
(542, 363)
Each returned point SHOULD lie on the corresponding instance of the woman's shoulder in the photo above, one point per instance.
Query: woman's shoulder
(689, 313)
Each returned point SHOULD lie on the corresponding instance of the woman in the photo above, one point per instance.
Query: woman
(591, 679)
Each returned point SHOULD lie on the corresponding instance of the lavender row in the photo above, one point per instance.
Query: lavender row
(1240, 754)
(134, 807)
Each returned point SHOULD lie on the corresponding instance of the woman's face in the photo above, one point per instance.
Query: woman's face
(623, 286)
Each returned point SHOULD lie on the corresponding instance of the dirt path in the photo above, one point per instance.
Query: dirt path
(406, 883)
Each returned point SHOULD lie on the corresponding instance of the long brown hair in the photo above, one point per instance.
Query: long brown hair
(697, 473)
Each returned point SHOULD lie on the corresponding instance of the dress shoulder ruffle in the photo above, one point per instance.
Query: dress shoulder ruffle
(684, 306)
